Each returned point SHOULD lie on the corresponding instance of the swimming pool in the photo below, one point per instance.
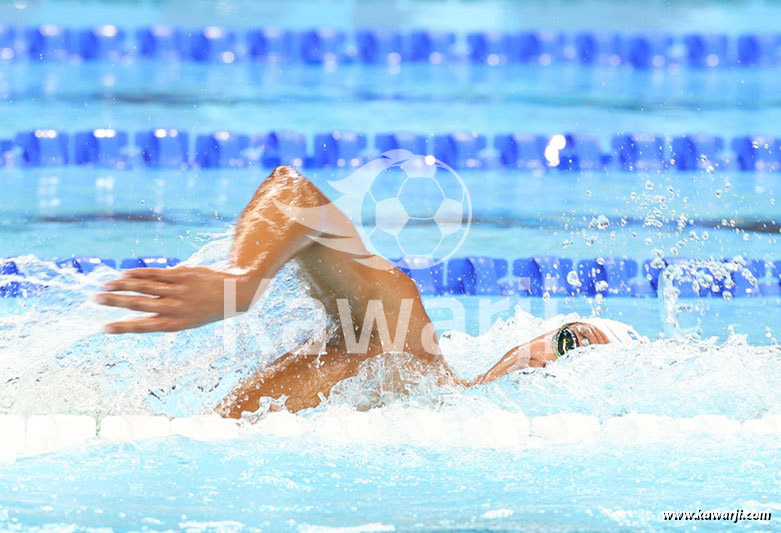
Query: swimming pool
(610, 439)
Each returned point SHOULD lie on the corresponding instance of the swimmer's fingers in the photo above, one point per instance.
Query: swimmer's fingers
(589, 334)
(143, 325)
(165, 275)
(598, 336)
(143, 286)
(137, 303)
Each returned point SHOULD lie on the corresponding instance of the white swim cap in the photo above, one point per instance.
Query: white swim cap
(617, 332)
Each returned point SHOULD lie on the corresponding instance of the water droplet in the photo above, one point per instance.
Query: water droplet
(602, 222)
(726, 295)
(649, 185)
(600, 286)
(718, 193)
(705, 235)
(572, 279)
(648, 241)
(704, 279)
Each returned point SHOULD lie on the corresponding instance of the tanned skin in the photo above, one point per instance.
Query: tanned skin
(267, 237)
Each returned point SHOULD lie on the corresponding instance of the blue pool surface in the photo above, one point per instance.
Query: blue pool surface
(270, 484)
(449, 475)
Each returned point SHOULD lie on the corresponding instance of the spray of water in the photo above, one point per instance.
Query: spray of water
(704, 278)
(55, 358)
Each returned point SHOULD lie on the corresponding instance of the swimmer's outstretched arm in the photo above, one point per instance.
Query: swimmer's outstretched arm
(267, 236)
(538, 352)
(287, 218)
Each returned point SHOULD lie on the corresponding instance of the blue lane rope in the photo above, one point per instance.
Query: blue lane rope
(478, 275)
(173, 149)
(51, 42)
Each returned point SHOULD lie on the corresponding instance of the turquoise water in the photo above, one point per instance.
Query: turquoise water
(53, 358)
(271, 484)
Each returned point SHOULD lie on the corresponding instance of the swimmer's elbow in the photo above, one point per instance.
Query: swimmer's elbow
(405, 286)
(288, 181)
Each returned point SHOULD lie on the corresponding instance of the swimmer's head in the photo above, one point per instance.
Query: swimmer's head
(590, 331)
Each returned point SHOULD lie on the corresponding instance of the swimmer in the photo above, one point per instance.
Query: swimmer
(351, 283)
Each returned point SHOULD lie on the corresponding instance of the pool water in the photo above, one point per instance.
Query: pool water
(273, 484)
(438, 459)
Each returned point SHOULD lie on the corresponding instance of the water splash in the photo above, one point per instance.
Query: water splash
(680, 377)
(54, 358)
(685, 288)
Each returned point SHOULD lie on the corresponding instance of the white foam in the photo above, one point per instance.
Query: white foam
(223, 526)
(280, 424)
(768, 425)
(7, 455)
(371, 527)
(495, 514)
(134, 427)
(412, 425)
(639, 427)
(419, 426)
(48, 433)
(180, 373)
(712, 424)
(205, 427)
(12, 437)
(497, 428)
(565, 427)
(447, 426)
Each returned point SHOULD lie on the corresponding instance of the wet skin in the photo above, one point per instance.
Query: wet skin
(344, 276)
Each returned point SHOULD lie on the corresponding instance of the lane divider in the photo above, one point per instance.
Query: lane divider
(569, 152)
(536, 276)
(214, 44)
(40, 434)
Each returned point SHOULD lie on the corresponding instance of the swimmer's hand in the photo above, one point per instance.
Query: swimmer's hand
(179, 298)
(587, 334)
(540, 351)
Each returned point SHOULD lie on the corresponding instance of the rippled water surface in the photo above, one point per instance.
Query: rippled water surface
(439, 458)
